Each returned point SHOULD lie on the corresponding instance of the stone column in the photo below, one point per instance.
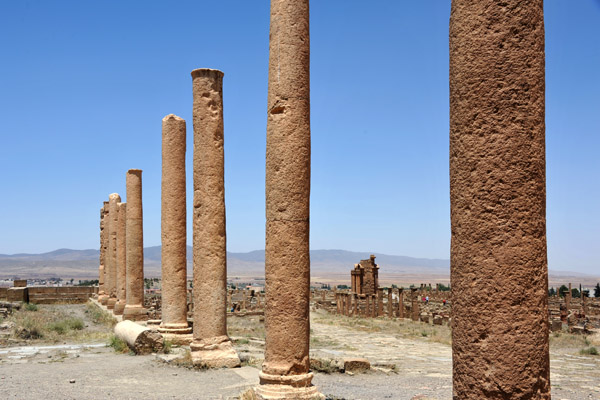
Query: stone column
(355, 300)
(568, 297)
(348, 301)
(111, 256)
(499, 273)
(401, 303)
(285, 371)
(338, 303)
(121, 259)
(379, 302)
(101, 292)
(173, 229)
(414, 306)
(375, 306)
(390, 304)
(211, 346)
(134, 309)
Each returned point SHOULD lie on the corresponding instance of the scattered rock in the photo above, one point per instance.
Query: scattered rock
(356, 365)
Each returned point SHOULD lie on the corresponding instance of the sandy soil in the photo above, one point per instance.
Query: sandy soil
(422, 368)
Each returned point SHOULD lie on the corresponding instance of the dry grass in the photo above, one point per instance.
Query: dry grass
(575, 344)
(403, 328)
(53, 323)
(249, 327)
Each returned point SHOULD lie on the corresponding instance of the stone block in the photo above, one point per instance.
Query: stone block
(556, 325)
(18, 294)
(20, 283)
(356, 365)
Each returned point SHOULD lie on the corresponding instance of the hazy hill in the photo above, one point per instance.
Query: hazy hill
(326, 266)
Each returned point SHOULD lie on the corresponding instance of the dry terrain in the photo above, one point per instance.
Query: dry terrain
(410, 360)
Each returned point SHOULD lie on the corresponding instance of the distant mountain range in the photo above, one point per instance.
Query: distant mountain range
(326, 265)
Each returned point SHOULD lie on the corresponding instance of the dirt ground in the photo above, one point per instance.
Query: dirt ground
(410, 361)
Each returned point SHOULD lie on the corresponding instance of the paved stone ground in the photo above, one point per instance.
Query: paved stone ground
(423, 371)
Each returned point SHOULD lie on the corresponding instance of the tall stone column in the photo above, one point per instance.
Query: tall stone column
(134, 309)
(415, 304)
(211, 346)
(390, 303)
(121, 259)
(355, 304)
(401, 303)
(499, 272)
(285, 371)
(173, 228)
(111, 272)
(101, 292)
(347, 303)
(379, 302)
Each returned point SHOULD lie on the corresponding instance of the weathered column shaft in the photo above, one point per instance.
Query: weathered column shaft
(102, 253)
(287, 259)
(400, 303)
(288, 191)
(103, 299)
(210, 251)
(113, 222)
(380, 302)
(134, 309)
(173, 227)
(121, 259)
(499, 274)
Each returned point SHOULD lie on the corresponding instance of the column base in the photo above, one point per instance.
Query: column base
(110, 304)
(179, 339)
(286, 387)
(182, 328)
(217, 352)
(180, 334)
(119, 308)
(135, 313)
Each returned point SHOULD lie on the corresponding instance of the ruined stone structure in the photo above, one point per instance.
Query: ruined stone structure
(211, 346)
(498, 193)
(285, 371)
(111, 256)
(173, 228)
(134, 309)
(102, 297)
(121, 259)
(365, 277)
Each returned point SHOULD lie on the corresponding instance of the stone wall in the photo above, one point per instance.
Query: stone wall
(53, 295)
(3, 293)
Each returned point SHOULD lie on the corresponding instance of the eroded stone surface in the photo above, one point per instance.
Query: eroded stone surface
(287, 260)
(111, 253)
(134, 309)
(121, 259)
(209, 238)
(497, 192)
(173, 228)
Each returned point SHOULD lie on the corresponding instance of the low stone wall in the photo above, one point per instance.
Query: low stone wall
(53, 295)
(3, 293)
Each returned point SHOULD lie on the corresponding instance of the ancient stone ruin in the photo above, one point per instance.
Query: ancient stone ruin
(365, 277)
(173, 230)
(211, 346)
(134, 307)
(286, 369)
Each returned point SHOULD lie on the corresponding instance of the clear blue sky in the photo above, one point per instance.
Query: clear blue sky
(84, 86)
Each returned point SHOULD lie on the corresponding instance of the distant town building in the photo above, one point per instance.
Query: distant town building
(365, 277)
